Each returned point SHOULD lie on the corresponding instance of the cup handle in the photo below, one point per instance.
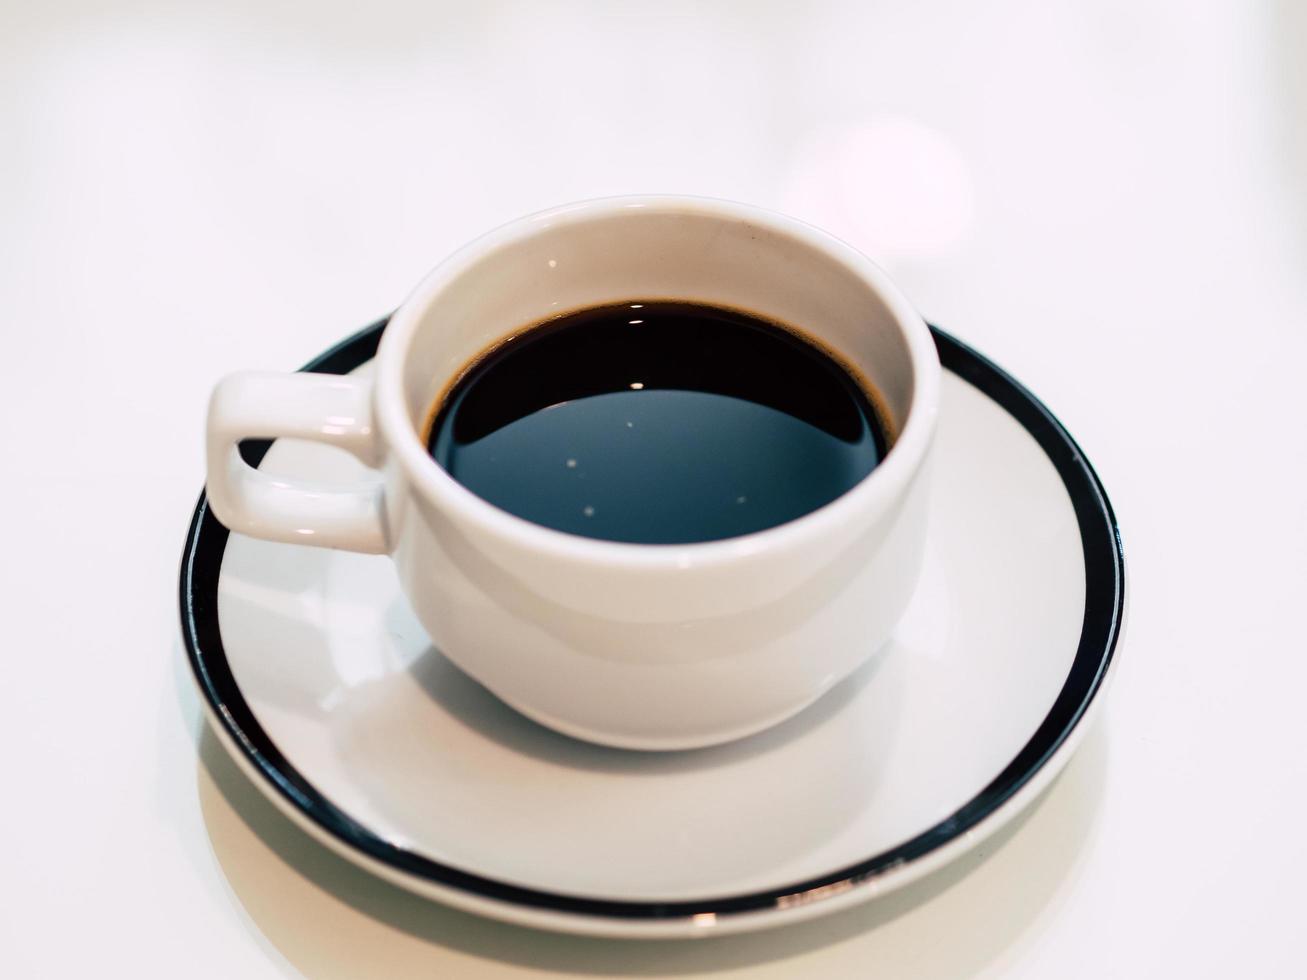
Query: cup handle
(327, 408)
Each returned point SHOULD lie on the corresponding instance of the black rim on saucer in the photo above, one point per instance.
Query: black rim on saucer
(201, 564)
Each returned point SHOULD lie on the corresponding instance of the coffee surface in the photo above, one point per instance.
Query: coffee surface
(658, 423)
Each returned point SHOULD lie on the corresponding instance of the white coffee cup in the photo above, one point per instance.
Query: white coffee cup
(632, 645)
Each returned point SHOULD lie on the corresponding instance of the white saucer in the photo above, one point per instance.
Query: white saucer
(319, 681)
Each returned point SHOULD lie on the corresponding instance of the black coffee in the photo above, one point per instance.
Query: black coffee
(658, 423)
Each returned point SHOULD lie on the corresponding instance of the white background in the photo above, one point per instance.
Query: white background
(1107, 197)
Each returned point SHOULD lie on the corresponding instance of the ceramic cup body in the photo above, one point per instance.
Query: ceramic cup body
(638, 646)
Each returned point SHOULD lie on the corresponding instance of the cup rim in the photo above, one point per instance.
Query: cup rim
(878, 490)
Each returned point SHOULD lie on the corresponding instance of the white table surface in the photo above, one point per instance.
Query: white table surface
(1108, 197)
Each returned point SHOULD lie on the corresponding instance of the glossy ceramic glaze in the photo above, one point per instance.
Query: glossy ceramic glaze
(650, 647)
(324, 686)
